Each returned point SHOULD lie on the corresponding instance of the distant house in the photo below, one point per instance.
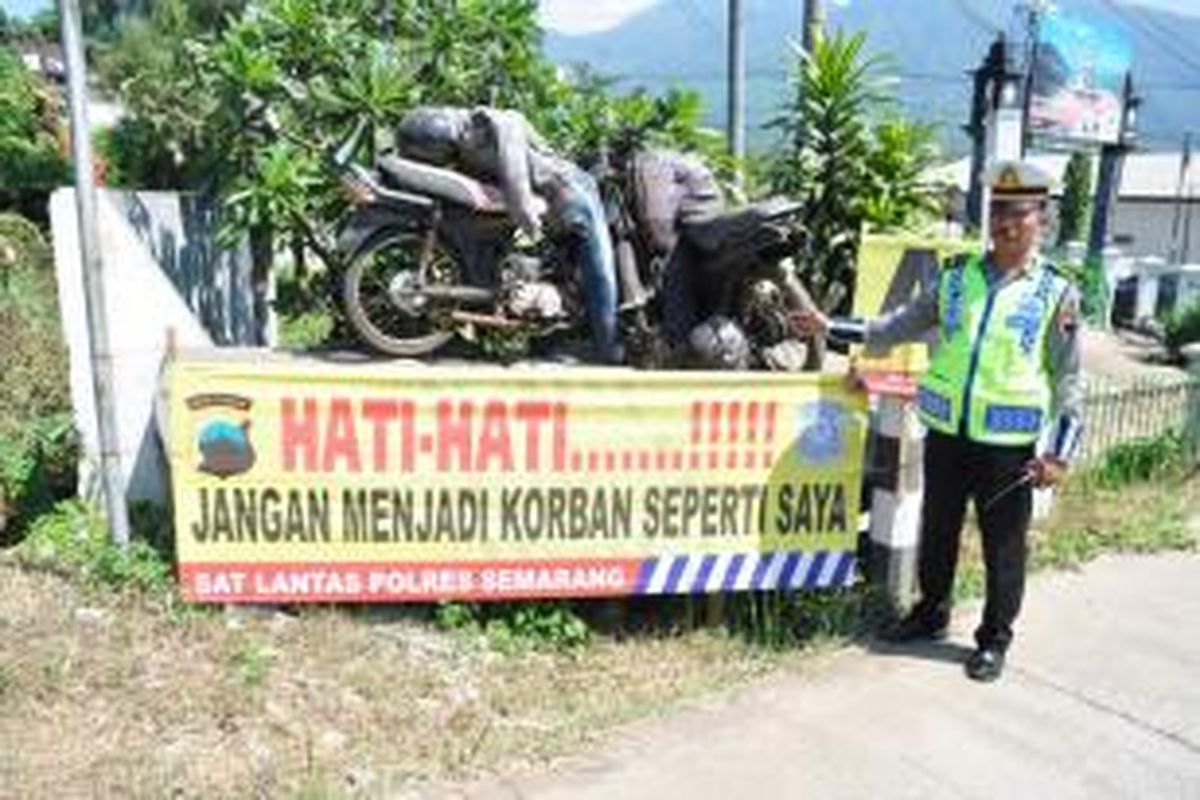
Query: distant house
(1157, 213)
(45, 59)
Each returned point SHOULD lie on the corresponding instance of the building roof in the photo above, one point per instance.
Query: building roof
(1145, 175)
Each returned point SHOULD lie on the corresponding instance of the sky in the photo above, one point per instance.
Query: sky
(592, 16)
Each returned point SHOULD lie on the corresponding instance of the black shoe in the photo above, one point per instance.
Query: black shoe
(915, 627)
(985, 664)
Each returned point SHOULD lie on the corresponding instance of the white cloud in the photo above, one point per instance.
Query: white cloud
(577, 17)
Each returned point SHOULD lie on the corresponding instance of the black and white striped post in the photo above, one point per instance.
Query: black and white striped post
(895, 486)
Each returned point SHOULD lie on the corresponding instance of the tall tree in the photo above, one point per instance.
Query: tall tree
(31, 165)
(1076, 199)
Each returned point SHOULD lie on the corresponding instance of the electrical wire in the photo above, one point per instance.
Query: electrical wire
(694, 14)
(981, 22)
(1153, 34)
(1166, 33)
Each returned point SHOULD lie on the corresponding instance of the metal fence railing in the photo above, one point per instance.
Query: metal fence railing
(1148, 408)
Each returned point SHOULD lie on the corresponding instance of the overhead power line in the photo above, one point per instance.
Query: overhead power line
(694, 14)
(1155, 35)
(979, 20)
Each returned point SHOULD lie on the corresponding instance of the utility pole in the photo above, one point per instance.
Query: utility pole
(1033, 28)
(1186, 257)
(1112, 160)
(1185, 162)
(71, 31)
(814, 24)
(737, 84)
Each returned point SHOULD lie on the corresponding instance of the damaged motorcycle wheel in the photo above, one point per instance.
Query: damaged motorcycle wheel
(400, 292)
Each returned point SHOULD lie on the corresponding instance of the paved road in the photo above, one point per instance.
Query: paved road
(1101, 699)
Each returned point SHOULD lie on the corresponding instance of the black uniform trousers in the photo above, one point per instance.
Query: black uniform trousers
(958, 469)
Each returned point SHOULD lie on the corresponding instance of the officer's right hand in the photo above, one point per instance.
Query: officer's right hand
(809, 322)
(1046, 471)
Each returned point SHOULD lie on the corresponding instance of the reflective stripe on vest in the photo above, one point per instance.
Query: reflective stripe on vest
(990, 364)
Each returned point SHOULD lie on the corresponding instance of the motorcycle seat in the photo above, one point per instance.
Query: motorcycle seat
(714, 233)
(445, 184)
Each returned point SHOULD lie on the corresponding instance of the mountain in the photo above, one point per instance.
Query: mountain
(929, 44)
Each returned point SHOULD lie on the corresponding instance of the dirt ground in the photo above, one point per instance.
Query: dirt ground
(110, 696)
(1120, 359)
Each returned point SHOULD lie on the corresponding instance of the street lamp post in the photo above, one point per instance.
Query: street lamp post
(1005, 130)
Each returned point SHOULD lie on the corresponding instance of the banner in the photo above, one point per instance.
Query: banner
(1078, 79)
(891, 271)
(300, 481)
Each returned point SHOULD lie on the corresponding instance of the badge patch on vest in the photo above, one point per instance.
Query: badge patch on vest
(953, 314)
(1027, 319)
(933, 404)
(1012, 419)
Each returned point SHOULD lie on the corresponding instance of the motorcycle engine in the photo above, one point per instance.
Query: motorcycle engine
(534, 300)
(764, 313)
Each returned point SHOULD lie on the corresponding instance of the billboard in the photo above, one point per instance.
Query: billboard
(1078, 74)
(298, 481)
(891, 271)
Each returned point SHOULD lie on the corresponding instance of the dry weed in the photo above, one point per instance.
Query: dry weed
(107, 696)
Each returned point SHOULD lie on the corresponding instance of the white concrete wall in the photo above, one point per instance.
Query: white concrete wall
(161, 272)
(1143, 228)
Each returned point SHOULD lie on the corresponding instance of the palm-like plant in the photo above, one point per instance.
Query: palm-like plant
(825, 156)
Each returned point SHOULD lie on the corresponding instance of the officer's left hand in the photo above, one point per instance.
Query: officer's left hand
(1046, 470)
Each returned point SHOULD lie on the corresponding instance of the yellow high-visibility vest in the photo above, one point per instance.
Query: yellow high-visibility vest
(989, 377)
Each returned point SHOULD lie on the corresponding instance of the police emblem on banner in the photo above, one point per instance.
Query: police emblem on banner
(223, 437)
(821, 432)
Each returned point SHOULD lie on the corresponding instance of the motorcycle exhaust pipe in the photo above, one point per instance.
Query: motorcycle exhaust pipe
(473, 295)
(487, 320)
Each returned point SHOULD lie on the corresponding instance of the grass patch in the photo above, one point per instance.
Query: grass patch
(513, 628)
(1145, 459)
(252, 663)
(324, 703)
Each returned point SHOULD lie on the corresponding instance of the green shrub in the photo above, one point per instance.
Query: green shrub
(37, 468)
(517, 627)
(38, 444)
(1142, 460)
(1183, 328)
(74, 538)
(135, 157)
(31, 165)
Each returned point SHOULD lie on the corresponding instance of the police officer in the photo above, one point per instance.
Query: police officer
(1007, 358)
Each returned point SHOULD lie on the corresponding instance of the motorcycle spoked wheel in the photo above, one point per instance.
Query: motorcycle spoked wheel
(389, 261)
